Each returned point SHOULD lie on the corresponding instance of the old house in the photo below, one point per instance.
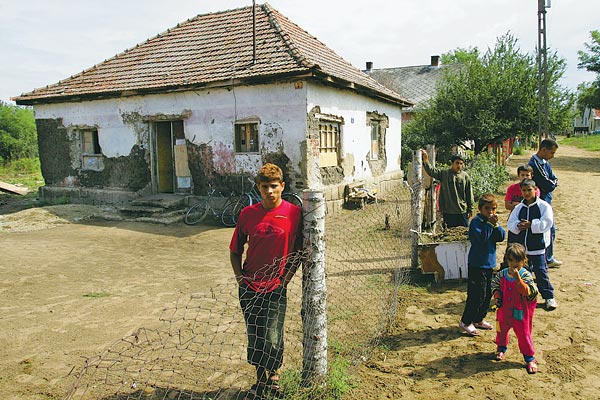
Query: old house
(209, 101)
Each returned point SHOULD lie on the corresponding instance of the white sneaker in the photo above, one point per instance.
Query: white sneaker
(551, 304)
(554, 264)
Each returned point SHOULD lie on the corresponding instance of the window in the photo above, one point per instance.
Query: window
(329, 143)
(91, 153)
(375, 135)
(246, 137)
(89, 142)
(377, 124)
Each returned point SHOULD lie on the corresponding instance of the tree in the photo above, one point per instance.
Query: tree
(589, 93)
(492, 98)
(18, 136)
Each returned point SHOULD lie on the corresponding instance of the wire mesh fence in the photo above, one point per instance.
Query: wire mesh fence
(199, 348)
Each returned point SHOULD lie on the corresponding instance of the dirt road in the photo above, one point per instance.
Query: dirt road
(64, 296)
(428, 357)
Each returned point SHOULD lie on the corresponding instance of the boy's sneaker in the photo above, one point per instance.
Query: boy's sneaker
(551, 304)
(554, 264)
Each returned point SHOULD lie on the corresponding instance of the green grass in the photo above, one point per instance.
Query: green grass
(588, 142)
(337, 382)
(26, 172)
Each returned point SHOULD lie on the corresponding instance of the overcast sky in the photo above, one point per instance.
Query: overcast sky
(42, 41)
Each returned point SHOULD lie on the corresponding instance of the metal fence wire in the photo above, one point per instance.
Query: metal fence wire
(199, 349)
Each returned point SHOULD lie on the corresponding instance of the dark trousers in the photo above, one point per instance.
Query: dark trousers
(479, 294)
(264, 314)
(550, 248)
(452, 220)
(537, 265)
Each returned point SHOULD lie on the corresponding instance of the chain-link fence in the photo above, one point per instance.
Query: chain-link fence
(199, 350)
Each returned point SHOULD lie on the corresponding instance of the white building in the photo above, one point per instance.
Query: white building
(210, 101)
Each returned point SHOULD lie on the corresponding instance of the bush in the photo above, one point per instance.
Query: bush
(517, 150)
(486, 176)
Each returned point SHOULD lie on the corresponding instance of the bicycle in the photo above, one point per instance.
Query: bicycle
(231, 212)
(211, 204)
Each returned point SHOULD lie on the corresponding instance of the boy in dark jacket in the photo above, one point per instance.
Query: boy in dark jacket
(484, 233)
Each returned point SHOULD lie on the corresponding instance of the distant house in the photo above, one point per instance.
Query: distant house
(591, 120)
(209, 101)
(416, 83)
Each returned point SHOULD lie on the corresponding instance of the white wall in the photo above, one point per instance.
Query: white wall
(281, 109)
(356, 134)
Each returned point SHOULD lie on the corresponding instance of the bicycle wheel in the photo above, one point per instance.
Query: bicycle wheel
(196, 213)
(231, 212)
(292, 198)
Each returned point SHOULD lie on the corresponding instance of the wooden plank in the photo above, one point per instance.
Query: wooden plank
(8, 188)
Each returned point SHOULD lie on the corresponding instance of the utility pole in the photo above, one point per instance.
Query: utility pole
(542, 59)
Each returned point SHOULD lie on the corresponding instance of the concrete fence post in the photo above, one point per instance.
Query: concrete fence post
(314, 289)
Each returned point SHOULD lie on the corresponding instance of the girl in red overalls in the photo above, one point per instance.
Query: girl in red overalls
(514, 293)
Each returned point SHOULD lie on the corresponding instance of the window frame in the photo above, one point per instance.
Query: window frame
(330, 140)
(91, 152)
(251, 132)
(375, 149)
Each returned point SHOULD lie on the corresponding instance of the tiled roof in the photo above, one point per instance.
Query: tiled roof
(416, 83)
(213, 49)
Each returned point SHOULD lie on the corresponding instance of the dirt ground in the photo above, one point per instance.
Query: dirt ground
(426, 356)
(69, 290)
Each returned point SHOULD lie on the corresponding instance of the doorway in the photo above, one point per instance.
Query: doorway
(166, 134)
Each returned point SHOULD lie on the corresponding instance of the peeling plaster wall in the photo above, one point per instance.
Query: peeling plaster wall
(356, 134)
(208, 116)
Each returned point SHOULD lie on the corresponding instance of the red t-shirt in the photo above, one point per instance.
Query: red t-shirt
(513, 192)
(271, 235)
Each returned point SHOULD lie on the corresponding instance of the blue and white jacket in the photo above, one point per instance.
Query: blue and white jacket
(537, 237)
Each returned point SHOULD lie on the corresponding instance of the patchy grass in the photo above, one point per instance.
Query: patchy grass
(588, 142)
(23, 172)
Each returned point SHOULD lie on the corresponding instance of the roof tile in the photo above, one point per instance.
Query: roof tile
(211, 48)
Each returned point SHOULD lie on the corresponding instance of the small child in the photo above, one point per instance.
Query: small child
(515, 298)
(484, 233)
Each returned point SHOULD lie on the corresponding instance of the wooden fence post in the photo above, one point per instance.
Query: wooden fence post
(314, 290)
(416, 202)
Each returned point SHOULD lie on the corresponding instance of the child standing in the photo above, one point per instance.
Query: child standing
(515, 296)
(513, 192)
(531, 222)
(484, 233)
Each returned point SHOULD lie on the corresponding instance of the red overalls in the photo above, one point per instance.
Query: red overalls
(516, 312)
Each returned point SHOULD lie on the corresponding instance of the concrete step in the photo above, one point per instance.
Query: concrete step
(168, 201)
(140, 210)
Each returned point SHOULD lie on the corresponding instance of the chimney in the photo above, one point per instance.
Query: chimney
(435, 61)
(369, 66)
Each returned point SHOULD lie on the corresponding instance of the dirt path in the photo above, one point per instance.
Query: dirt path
(69, 291)
(427, 356)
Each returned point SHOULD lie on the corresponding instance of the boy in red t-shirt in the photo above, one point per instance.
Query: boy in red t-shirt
(273, 231)
(513, 192)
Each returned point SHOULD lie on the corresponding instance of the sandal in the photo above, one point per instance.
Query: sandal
(500, 356)
(532, 367)
(470, 329)
(273, 385)
(483, 325)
